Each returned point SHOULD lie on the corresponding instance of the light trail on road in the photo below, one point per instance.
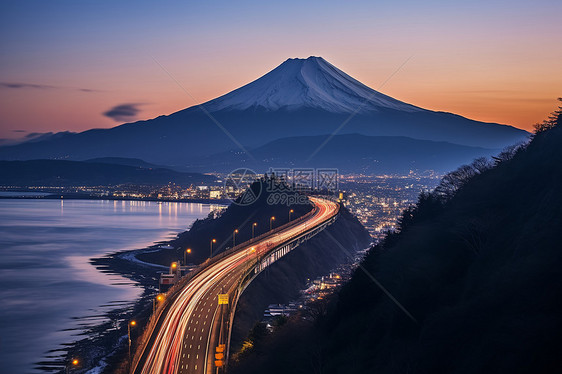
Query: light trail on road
(184, 341)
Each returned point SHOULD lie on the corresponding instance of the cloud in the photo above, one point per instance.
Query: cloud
(19, 130)
(123, 112)
(19, 85)
(26, 85)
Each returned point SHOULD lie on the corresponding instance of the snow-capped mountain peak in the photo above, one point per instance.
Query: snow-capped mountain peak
(307, 83)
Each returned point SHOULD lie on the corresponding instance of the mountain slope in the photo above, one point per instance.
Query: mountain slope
(310, 83)
(301, 97)
(351, 153)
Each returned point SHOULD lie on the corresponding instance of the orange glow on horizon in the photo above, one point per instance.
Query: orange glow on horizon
(471, 96)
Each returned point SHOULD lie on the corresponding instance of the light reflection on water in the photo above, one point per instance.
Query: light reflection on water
(49, 291)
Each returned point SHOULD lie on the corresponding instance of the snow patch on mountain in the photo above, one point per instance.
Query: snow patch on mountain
(307, 83)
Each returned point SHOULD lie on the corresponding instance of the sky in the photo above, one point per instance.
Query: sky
(76, 65)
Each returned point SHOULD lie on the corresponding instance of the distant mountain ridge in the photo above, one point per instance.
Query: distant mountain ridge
(350, 153)
(136, 162)
(59, 173)
(301, 97)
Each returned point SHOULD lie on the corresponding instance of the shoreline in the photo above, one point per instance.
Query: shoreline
(103, 348)
(74, 196)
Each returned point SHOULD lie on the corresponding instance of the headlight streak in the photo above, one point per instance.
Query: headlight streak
(171, 346)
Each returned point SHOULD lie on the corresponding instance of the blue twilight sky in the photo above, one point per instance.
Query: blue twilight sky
(65, 63)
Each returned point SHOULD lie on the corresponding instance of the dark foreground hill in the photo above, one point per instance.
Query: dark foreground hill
(474, 275)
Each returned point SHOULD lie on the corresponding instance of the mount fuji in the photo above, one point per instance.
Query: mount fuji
(299, 98)
(311, 83)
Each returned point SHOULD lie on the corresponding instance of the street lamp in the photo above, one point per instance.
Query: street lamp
(187, 251)
(271, 223)
(290, 212)
(73, 363)
(132, 323)
(253, 227)
(234, 238)
(159, 299)
(212, 241)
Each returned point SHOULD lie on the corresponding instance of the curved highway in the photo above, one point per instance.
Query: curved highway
(187, 332)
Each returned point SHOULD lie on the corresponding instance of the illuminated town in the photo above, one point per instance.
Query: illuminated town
(376, 201)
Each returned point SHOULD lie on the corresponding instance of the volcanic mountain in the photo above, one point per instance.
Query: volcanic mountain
(313, 83)
(301, 97)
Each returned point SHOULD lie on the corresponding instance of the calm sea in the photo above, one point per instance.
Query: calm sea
(49, 292)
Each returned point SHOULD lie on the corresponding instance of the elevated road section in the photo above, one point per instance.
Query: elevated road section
(191, 332)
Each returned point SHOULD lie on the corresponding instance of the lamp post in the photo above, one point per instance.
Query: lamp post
(212, 241)
(253, 227)
(290, 212)
(234, 238)
(132, 323)
(271, 223)
(187, 251)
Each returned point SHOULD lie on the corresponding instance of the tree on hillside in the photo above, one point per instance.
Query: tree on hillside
(552, 121)
(454, 180)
